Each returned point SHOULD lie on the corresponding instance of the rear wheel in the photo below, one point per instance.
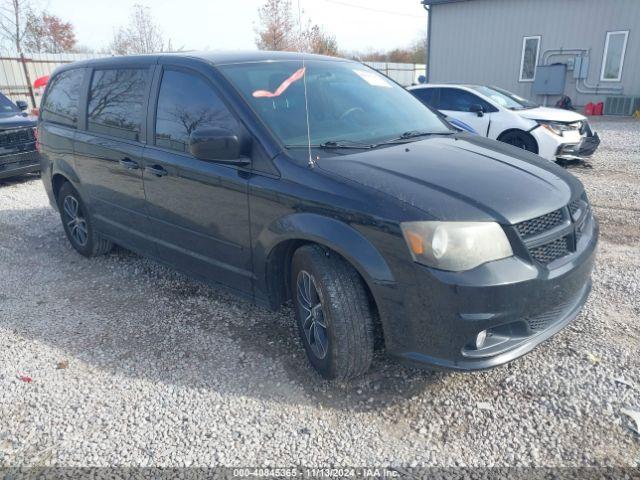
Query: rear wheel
(521, 140)
(77, 224)
(334, 317)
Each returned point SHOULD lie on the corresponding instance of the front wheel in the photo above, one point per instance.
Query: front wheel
(77, 224)
(521, 140)
(333, 312)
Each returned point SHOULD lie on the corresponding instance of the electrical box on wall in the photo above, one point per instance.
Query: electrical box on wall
(550, 79)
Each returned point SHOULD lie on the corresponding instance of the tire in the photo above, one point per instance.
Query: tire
(521, 140)
(78, 227)
(337, 300)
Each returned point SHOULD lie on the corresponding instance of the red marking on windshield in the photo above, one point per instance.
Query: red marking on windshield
(283, 86)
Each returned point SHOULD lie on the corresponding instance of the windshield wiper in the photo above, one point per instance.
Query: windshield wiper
(344, 144)
(341, 144)
(335, 144)
(413, 134)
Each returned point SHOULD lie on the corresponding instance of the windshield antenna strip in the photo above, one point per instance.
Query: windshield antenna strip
(311, 163)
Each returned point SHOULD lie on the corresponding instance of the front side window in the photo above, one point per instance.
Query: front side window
(345, 102)
(458, 100)
(426, 95)
(117, 102)
(613, 58)
(529, 59)
(62, 101)
(185, 103)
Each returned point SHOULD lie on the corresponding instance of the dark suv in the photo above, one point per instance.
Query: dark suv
(18, 153)
(318, 180)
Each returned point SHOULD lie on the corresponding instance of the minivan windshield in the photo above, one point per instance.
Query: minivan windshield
(348, 104)
(7, 106)
(504, 98)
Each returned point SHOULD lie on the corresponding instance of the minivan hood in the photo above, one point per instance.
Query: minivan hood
(461, 177)
(550, 114)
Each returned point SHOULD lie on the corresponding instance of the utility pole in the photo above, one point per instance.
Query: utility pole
(32, 96)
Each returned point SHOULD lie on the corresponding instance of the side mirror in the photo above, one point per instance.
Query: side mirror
(22, 105)
(218, 145)
(477, 108)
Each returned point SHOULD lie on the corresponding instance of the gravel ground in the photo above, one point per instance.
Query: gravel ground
(133, 364)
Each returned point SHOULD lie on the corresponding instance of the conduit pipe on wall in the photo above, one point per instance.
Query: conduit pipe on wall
(561, 51)
(581, 84)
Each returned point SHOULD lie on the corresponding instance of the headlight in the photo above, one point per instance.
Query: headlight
(456, 246)
(558, 128)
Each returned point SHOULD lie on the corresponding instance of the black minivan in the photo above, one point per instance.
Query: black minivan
(318, 180)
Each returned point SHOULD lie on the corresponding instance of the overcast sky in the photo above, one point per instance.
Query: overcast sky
(229, 24)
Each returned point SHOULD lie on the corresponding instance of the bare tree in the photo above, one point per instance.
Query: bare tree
(316, 40)
(414, 53)
(276, 30)
(141, 35)
(13, 21)
(48, 33)
(281, 29)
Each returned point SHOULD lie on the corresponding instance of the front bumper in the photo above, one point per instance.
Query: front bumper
(19, 163)
(520, 304)
(573, 145)
(578, 151)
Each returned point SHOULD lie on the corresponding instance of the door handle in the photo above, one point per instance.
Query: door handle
(128, 163)
(156, 170)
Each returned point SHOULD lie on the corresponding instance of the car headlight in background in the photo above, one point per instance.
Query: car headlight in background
(558, 128)
(456, 246)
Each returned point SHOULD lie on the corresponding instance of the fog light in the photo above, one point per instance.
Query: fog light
(480, 339)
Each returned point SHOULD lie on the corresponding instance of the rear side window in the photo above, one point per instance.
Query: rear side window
(61, 104)
(117, 102)
(458, 100)
(426, 96)
(187, 102)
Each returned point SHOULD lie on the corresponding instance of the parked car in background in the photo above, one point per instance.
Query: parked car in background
(340, 192)
(552, 133)
(18, 154)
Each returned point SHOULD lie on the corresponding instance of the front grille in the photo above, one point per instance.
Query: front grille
(578, 206)
(554, 235)
(541, 224)
(551, 251)
(17, 136)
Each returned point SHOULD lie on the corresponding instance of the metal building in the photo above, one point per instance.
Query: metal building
(540, 49)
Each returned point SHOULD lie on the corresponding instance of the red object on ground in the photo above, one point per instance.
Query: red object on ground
(283, 86)
(41, 81)
(588, 108)
(598, 109)
(24, 378)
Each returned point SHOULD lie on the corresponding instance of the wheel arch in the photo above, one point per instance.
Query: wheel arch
(278, 243)
(57, 181)
(520, 132)
(63, 173)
